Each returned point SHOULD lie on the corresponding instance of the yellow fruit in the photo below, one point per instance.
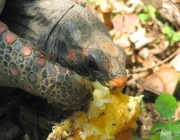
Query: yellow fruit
(111, 115)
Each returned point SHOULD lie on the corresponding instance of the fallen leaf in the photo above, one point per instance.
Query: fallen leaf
(177, 114)
(155, 3)
(123, 40)
(163, 80)
(140, 38)
(118, 23)
(170, 11)
(105, 6)
(105, 17)
(144, 53)
(130, 22)
(175, 62)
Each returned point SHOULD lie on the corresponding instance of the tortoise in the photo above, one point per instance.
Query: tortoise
(54, 49)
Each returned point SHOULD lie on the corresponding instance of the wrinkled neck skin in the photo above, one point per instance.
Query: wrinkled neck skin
(35, 20)
(73, 36)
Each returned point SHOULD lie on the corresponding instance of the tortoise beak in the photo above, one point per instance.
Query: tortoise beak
(118, 83)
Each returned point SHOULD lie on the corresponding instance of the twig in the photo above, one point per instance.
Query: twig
(160, 63)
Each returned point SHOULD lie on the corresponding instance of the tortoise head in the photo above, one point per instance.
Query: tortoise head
(86, 47)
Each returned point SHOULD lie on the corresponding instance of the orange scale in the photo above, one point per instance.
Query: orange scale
(62, 70)
(52, 70)
(41, 62)
(26, 50)
(9, 38)
(3, 28)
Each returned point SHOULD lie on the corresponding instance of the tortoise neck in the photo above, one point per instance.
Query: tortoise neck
(34, 21)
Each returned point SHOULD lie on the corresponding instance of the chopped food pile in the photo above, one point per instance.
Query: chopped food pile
(111, 115)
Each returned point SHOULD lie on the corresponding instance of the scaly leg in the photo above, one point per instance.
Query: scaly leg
(23, 66)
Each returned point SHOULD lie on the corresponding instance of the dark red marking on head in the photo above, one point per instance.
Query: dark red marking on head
(14, 70)
(85, 52)
(9, 38)
(71, 55)
(52, 70)
(62, 70)
(3, 28)
(41, 62)
(108, 63)
(26, 50)
(112, 50)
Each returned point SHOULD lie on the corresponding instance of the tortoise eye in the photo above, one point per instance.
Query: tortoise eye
(92, 63)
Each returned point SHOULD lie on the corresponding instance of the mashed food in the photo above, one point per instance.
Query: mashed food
(111, 116)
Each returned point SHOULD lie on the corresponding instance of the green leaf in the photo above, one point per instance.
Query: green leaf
(169, 39)
(143, 17)
(99, 2)
(170, 132)
(155, 137)
(90, 2)
(176, 37)
(150, 10)
(177, 123)
(178, 103)
(179, 76)
(158, 126)
(167, 30)
(166, 105)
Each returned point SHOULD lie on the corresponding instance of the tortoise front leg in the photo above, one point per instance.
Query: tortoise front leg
(23, 66)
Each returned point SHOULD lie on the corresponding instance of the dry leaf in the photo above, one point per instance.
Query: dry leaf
(105, 6)
(144, 53)
(177, 114)
(163, 80)
(118, 23)
(123, 41)
(156, 3)
(175, 62)
(105, 17)
(140, 38)
(130, 22)
(170, 11)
